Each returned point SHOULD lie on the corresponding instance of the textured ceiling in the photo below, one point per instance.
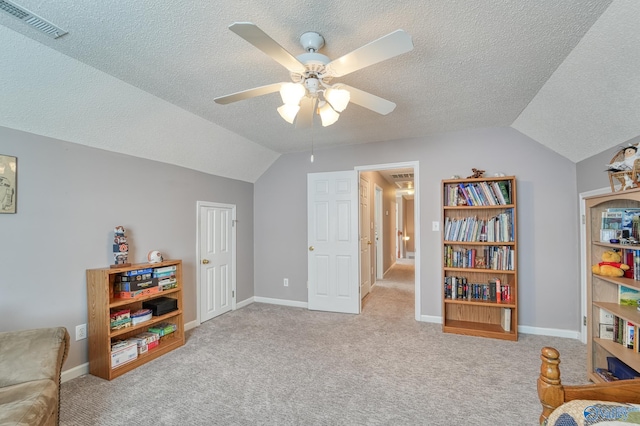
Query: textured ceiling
(474, 64)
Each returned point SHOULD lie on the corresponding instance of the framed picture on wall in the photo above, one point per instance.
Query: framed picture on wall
(8, 188)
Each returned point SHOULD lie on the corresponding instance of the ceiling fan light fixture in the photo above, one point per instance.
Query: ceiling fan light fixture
(288, 112)
(327, 114)
(338, 98)
(291, 93)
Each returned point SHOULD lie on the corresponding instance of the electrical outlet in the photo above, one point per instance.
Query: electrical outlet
(81, 332)
(286, 282)
(435, 226)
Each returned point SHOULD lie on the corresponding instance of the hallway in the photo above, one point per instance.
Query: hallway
(393, 296)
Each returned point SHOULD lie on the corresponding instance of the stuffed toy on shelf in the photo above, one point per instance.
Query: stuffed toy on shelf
(610, 265)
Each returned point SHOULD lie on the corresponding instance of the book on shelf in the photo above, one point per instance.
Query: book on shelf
(606, 375)
(628, 296)
(505, 319)
(606, 331)
(627, 215)
(611, 220)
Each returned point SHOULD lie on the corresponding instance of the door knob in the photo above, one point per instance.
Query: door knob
(311, 248)
(205, 261)
(369, 242)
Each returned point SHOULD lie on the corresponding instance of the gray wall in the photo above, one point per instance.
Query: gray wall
(547, 214)
(70, 197)
(591, 172)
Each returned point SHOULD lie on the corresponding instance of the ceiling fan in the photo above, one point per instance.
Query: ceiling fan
(310, 89)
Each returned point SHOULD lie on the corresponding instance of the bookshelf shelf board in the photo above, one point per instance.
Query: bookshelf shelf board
(479, 303)
(628, 356)
(479, 243)
(617, 246)
(627, 282)
(479, 270)
(144, 325)
(630, 313)
(116, 302)
(471, 328)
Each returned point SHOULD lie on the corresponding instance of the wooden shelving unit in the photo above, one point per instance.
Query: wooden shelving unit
(100, 300)
(471, 315)
(603, 292)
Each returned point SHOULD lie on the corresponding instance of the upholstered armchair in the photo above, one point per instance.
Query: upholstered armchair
(30, 366)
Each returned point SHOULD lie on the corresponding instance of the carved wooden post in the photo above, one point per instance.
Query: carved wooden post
(550, 391)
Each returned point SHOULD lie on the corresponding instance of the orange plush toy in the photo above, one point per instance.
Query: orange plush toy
(610, 265)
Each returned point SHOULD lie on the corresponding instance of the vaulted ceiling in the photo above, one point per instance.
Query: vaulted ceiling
(564, 73)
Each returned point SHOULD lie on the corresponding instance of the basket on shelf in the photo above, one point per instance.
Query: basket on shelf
(624, 179)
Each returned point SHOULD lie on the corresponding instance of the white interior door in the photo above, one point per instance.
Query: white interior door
(217, 260)
(332, 235)
(365, 239)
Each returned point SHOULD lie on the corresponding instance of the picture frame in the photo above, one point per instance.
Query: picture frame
(8, 183)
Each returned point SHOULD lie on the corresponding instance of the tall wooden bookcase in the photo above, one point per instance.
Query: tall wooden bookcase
(480, 250)
(101, 300)
(603, 292)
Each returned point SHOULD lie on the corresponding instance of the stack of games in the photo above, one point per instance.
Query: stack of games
(135, 283)
(120, 318)
(166, 277)
(163, 328)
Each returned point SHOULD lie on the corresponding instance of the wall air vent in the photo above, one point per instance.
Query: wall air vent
(31, 19)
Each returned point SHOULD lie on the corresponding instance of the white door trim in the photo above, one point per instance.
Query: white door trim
(583, 258)
(379, 235)
(416, 218)
(199, 205)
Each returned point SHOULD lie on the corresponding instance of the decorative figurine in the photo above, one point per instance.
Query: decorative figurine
(120, 247)
(154, 256)
(477, 173)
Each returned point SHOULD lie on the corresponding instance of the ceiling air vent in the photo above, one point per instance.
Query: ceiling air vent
(32, 19)
(397, 175)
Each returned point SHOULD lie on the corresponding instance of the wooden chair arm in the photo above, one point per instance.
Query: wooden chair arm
(553, 394)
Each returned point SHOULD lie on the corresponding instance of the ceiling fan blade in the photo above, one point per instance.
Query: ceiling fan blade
(384, 48)
(254, 35)
(367, 100)
(246, 94)
(304, 119)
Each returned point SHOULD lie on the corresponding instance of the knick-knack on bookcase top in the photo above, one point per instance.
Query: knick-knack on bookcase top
(120, 248)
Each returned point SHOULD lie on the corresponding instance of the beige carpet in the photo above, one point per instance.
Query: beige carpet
(275, 365)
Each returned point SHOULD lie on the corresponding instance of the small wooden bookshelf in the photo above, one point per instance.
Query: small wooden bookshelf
(480, 259)
(101, 301)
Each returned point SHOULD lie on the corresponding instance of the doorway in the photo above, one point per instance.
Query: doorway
(403, 179)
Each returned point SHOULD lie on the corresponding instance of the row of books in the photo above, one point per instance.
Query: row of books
(618, 330)
(497, 193)
(457, 288)
(498, 228)
(491, 257)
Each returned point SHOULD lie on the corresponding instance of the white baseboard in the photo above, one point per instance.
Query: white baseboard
(245, 302)
(553, 332)
(74, 372)
(431, 318)
(282, 302)
(191, 324)
(525, 329)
